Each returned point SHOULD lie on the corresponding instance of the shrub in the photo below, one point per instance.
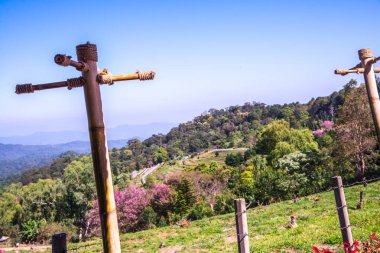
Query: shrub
(130, 204)
(163, 199)
(224, 203)
(47, 230)
(29, 231)
(200, 211)
(148, 218)
(234, 160)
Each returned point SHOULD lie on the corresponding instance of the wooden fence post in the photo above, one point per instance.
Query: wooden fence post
(59, 244)
(341, 207)
(241, 225)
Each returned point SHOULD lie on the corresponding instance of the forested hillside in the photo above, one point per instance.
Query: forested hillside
(292, 149)
(15, 158)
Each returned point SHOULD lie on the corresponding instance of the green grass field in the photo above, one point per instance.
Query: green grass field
(317, 225)
(189, 163)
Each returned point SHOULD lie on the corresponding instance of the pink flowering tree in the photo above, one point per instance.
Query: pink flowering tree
(319, 133)
(130, 204)
(163, 200)
(326, 126)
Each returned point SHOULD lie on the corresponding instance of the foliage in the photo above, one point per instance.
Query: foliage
(29, 231)
(199, 211)
(372, 245)
(137, 208)
(224, 203)
(234, 159)
(80, 190)
(356, 131)
(163, 202)
(292, 148)
(318, 225)
(278, 139)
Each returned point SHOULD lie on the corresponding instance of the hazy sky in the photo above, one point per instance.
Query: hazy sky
(207, 54)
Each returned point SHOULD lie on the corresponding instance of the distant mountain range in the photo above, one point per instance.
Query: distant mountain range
(15, 158)
(19, 153)
(123, 132)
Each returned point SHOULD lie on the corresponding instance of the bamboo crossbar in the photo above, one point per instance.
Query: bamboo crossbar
(125, 77)
(47, 86)
(70, 83)
(353, 70)
(64, 60)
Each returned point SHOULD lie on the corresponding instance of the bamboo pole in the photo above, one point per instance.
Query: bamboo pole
(75, 82)
(353, 70)
(367, 60)
(107, 207)
(125, 77)
(90, 80)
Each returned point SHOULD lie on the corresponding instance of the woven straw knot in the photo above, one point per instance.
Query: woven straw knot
(145, 75)
(365, 53)
(105, 79)
(87, 52)
(24, 88)
(75, 82)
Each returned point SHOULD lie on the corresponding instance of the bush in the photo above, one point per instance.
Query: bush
(200, 211)
(224, 203)
(47, 230)
(234, 160)
(148, 218)
(150, 182)
(29, 231)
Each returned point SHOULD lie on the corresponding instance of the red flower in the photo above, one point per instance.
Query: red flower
(316, 250)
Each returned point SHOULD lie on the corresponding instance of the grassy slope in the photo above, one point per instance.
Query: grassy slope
(317, 225)
(205, 157)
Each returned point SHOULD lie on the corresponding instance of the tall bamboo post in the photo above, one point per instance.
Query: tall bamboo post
(366, 67)
(367, 60)
(107, 208)
(87, 63)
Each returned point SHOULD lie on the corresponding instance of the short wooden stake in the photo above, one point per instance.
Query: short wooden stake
(59, 244)
(341, 207)
(241, 225)
(361, 201)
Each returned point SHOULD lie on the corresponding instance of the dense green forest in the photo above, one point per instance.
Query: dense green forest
(292, 149)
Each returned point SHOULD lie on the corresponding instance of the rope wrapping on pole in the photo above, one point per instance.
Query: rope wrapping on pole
(105, 79)
(75, 82)
(145, 75)
(24, 88)
(365, 53)
(87, 52)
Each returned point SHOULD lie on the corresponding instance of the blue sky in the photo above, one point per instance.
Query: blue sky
(207, 54)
